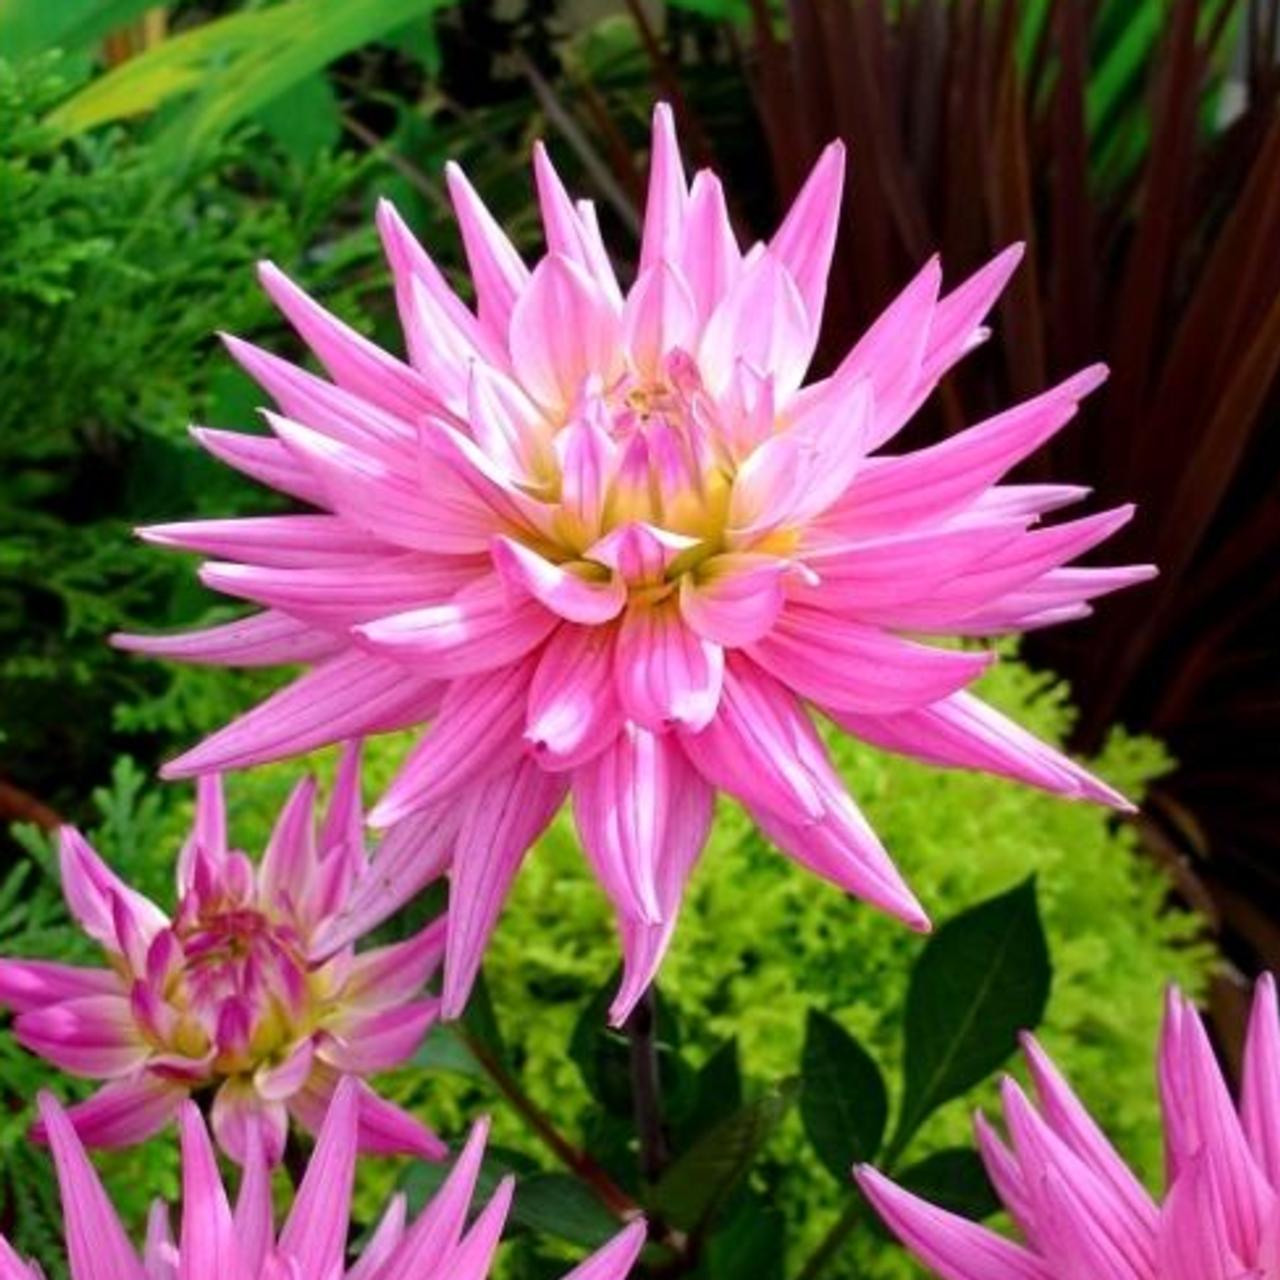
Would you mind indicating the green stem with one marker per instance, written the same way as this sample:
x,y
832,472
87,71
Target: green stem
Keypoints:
x,y
577,1161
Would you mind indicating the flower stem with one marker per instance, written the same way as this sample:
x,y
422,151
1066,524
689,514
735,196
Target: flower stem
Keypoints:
x,y
646,1087
577,1161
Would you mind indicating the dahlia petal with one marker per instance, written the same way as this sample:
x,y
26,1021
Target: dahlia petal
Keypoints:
x,y
831,453
563,331
958,315
480,629
867,578
666,673
1193,1241
497,271
963,732
929,484
660,316
363,1042
1031,500
383,1243
315,1234
588,460
576,592
1073,1124
281,542
337,699
764,490
328,410
476,734
209,1244
709,256
1260,1094
595,255
735,598
262,458
383,1129
843,849
667,196
500,818
506,424
122,1113
640,552
806,239
890,353
1201,1122
761,746
852,667
96,896
280,1082
386,500
690,805
435,1234
388,975
954,1247
761,319
474,1254
1005,1174
261,640
354,363
356,592
621,802
253,1216
412,854
34,984
290,857
573,710
614,1260
97,1247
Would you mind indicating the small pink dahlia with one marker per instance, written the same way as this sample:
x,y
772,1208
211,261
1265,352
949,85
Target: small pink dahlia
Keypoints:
x,y
219,1243
610,546
228,995
1083,1214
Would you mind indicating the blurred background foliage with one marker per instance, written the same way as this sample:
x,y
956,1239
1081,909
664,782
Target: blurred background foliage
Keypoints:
x,y
149,154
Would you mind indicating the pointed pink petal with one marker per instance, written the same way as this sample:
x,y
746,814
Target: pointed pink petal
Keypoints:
x,y
342,698
363,1042
315,1235
501,817
563,331
761,319
263,459
1260,1094
284,542
97,1247
573,710
851,667
660,316
383,1243
954,1247
290,857
92,891
261,640
709,257
388,975
614,1260
497,272
122,1113
734,599
666,673
253,1217
94,1037
244,1122
806,239
33,984
668,195
280,1082
208,1245
577,591
480,629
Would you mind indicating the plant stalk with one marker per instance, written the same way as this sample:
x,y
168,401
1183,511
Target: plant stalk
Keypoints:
x,y
646,1087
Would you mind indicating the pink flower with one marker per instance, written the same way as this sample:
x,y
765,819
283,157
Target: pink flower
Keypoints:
x,y
219,1243
613,549
1084,1215
227,995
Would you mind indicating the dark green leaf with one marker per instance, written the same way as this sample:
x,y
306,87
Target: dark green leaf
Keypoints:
x,y
982,978
481,1023
843,1100
443,1051
700,1181
304,120
562,1206
714,1093
750,1243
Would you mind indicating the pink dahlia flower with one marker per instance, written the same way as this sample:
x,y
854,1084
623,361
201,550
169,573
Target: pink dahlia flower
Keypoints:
x,y
217,1242
226,995
612,548
1084,1216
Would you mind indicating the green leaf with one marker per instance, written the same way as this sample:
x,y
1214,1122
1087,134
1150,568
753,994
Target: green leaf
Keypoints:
x,y
481,1022
443,1051
714,1093
699,1182
843,1100
560,1205
954,1179
750,1243
981,979
304,120
29,27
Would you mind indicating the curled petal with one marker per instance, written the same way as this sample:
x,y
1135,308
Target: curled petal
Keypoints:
x,y
734,599
578,591
667,674
93,1036
573,711
33,984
